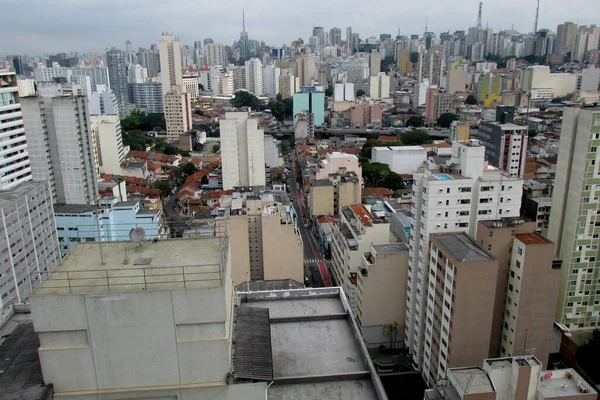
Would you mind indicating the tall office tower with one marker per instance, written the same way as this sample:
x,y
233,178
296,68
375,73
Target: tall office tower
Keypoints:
x,y
136,74
242,151
379,86
190,85
109,153
458,309
150,59
355,42
311,101
573,225
15,166
103,102
335,36
270,79
170,62
214,54
374,62
29,249
254,77
349,34
307,69
129,52
244,50
451,198
505,142
178,112
116,62
565,37
16,62
320,33
61,146
431,65
404,64
148,95
528,281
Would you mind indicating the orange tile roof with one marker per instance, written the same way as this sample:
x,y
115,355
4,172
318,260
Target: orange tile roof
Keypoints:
x,y
531,238
351,150
128,179
324,219
440,145
377,191
185,191
363,215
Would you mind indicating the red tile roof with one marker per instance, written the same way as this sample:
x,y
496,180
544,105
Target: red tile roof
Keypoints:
x,y
129,179
363,215
353,150
377,191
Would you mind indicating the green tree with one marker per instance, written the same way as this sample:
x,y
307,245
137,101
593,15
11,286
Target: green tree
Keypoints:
x,y
136,140
285,147
289,107
414,57
216,148
199,111
416,137
201,87
360,93
243,98
588,356
204,180
277,178
386,62
393,181
279,97
446,119
189,169
165,188
391,331
329,91
277,109
416,121
470,100
374,174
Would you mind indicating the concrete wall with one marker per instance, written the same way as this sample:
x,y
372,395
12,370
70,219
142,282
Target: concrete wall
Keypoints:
x,y
400,159
321,200
348,193
237,230
283,253
134,341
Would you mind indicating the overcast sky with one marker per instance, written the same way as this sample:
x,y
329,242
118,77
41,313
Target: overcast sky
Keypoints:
x,y
49,26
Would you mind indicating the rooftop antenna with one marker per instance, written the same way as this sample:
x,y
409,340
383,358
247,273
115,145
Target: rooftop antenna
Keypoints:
x,y
479,15
137,235
243,20
537,13
425,23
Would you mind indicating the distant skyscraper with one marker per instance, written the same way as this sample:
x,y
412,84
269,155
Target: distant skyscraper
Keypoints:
x,y
17,63
116,61
565,36
170,62
208,41
320,33
242,151
271,80
335,36
254,79
349,34
431,65
150,59
214,54
15,167
244,50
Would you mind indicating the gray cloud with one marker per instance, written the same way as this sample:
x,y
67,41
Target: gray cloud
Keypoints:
x,y
42,26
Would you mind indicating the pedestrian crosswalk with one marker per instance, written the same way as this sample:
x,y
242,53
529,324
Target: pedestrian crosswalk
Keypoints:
x,y
312,261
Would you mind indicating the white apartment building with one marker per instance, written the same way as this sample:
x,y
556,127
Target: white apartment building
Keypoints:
x,y
15,166
214,54
271,75
254,77
379,86
352,237
103,101
400,159
190,85
452,200
61,146
136,74
26,87
537,77
178,113
170,62
242,151
344,92
29,247
109,143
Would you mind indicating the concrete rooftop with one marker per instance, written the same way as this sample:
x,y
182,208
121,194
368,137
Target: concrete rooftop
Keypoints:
x,y
162,265
559,386
345,390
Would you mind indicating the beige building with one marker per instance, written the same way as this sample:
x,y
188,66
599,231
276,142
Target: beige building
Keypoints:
x,y
109,151
288,85
338,163
404,64
511,378
457,80
307,69
263,231
353,236
178,113
458,311
527,287
381,292
171,65
328,196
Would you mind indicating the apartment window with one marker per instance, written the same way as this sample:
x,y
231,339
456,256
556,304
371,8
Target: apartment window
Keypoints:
x,y
518,264
520,251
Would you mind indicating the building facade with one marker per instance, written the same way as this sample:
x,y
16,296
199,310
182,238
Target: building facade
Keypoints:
x,y
505,146
254,76
116,61
109,143
171,66
178,113
148,95
379,86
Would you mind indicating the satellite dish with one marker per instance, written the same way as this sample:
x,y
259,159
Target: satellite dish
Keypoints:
x,y
137,235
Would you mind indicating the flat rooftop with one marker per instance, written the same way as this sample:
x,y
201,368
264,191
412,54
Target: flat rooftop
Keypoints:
x,y
556,384
390,248
462,247
61,208
8,197
161,265
532,238
472,380
317,350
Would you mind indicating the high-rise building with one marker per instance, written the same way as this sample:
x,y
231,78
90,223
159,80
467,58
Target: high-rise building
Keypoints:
x,y
374,62
244,50
344,92
178,112
170,62
320,34
505,144
349,34
458,311
190,84
312,101
214,54
221,82
254,77
328,195
270,79
109,143
404,64
572,219
335,36
451,198
29,249
379,86
242,151
16,62
148,95
62,146
136,74
436,104
307,69
431,65
15,166
150,59
116,61
104,102
565,36
287,85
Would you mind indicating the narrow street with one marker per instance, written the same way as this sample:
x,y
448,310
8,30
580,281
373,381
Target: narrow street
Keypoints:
x,y
314,266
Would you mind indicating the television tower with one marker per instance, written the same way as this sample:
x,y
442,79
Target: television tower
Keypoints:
x,y
537,13
479,15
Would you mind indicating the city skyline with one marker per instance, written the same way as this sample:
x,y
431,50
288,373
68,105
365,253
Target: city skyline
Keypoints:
x,y
41,31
